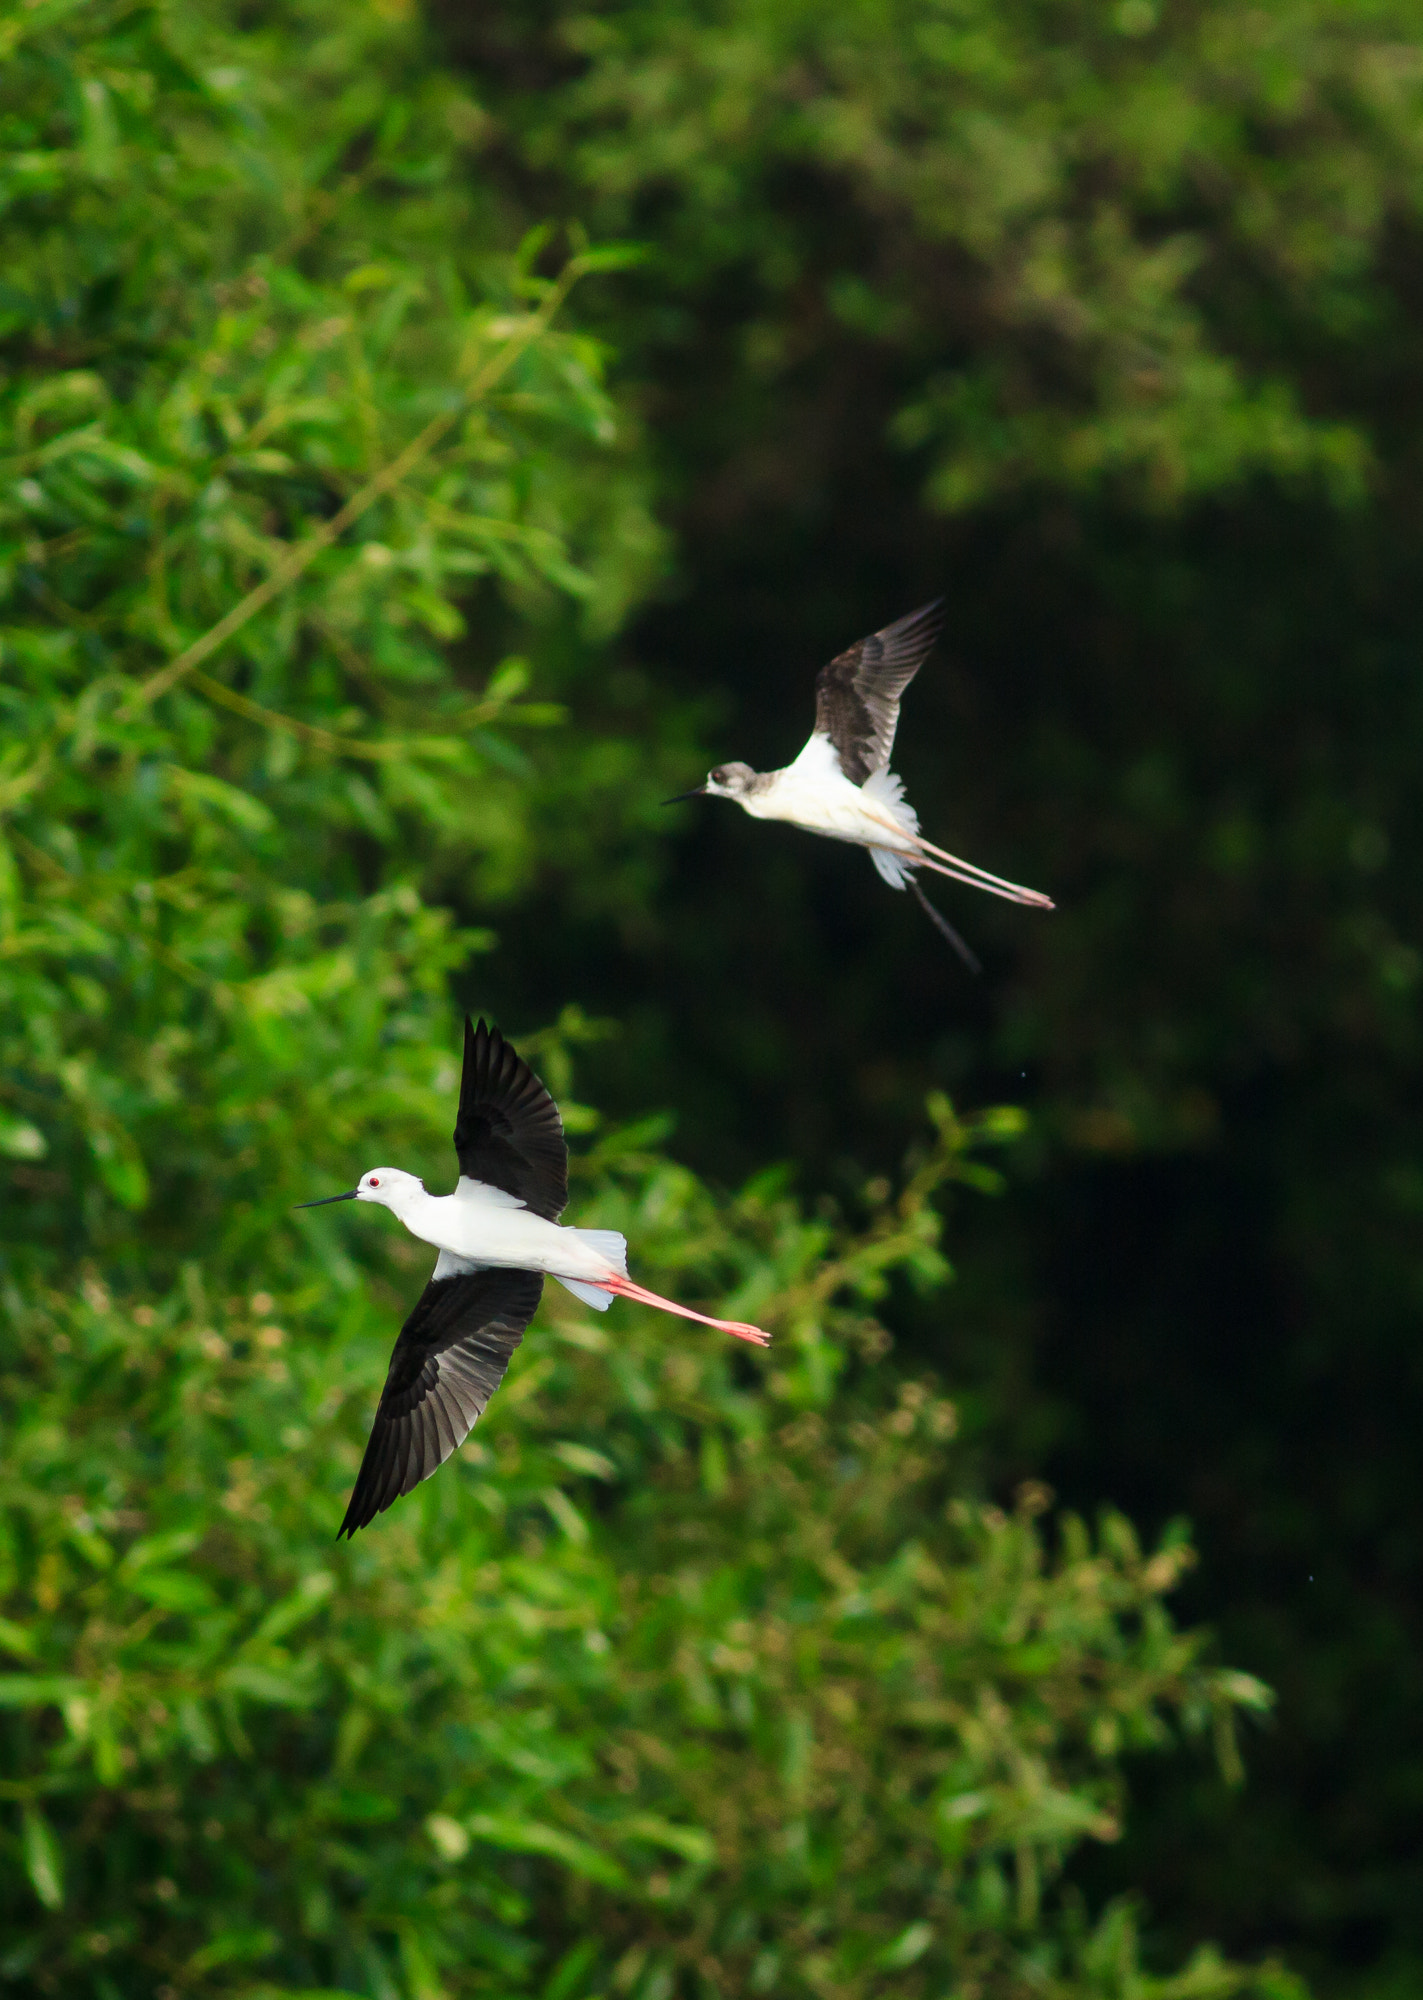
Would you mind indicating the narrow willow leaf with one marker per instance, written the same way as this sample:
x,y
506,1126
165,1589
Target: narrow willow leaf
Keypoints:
x,y
44,1862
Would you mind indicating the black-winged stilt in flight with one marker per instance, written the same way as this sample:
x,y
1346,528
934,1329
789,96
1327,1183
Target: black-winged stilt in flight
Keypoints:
x,y
497,1235
841,783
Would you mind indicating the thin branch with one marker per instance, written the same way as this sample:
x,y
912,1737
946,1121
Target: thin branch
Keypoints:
x,y
327,739
307,732
300,558
42,863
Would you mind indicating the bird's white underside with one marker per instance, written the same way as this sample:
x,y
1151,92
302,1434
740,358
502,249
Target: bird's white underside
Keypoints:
x,y
814,793
479,1227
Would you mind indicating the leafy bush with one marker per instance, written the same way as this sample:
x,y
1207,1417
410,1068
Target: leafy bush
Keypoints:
x,y
688,1674
1093,249
685,1672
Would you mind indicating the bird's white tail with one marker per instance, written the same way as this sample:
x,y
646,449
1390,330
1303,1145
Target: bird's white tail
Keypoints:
x,y
896,869
608,1243
886,788
591,1295
887,791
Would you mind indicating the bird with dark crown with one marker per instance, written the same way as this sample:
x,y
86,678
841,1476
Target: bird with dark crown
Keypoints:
x,y
841,784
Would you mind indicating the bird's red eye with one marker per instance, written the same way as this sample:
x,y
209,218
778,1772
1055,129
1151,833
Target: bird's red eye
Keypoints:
x,y
374,1182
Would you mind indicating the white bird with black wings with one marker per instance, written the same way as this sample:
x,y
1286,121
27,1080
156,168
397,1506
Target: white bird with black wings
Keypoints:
x,y
497,1235
841,784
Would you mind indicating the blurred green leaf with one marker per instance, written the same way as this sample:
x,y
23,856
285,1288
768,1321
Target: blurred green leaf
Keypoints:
x,y
530,1837
44,1863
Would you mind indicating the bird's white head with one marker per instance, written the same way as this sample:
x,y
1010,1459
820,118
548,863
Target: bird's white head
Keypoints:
x,y
391,1187
387,1185
730,781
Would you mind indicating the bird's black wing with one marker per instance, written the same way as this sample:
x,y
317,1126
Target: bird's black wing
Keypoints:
x,y
448,1361
508,1133
857,695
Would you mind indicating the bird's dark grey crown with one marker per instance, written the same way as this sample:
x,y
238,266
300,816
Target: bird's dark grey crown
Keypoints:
x,y
735,779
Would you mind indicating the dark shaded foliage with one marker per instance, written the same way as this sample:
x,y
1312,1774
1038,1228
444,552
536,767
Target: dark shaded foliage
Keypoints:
x,y
1105,323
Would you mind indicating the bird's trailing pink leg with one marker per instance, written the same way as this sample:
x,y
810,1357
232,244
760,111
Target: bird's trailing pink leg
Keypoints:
x,y
624,1288
1009,891
959,871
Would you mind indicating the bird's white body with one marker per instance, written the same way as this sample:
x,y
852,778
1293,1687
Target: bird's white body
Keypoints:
x,y
814,793
497,1240
841,785
481,1227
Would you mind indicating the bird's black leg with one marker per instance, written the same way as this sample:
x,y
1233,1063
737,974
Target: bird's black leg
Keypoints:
x,y
941,923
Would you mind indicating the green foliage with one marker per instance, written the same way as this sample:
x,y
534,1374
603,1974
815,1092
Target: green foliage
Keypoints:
x,y
189,898
1095,240
680,1672
689,1674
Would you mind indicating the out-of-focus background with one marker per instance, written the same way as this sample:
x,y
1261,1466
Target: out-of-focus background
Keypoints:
x,y
431,436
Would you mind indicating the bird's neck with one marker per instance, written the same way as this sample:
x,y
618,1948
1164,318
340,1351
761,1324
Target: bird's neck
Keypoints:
x,y
407,1201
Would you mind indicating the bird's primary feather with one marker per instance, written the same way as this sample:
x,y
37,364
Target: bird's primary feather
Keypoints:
x,y
448,1361
857,695
508,1134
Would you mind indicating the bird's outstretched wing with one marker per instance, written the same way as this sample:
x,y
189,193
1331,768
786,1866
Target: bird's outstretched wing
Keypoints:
x,y
857,695
508,1133
448,1361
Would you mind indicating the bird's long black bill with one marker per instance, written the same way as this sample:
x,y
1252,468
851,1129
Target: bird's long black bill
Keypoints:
x,y
326,1200
695,794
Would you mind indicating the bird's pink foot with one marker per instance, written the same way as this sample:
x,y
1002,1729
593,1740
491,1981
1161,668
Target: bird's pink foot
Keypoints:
x,y
624,1288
